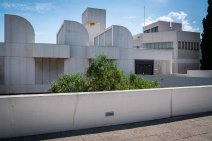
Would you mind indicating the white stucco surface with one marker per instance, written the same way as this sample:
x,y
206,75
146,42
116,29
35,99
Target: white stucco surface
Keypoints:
x,y
45,113
191,100
18,30
200,73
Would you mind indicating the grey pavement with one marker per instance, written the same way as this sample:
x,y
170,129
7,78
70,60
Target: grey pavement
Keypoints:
x,y
196,127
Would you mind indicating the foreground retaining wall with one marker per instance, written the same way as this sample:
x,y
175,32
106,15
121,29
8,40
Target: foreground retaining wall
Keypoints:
x,y
36,114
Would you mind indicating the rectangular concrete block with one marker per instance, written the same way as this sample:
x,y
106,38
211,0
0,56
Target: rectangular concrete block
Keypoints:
x,y
51,51
36,114
126,106
190,100
111,52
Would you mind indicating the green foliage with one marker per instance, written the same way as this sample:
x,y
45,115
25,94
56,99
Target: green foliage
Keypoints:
x,y
69,83
137,82
102,75
105,76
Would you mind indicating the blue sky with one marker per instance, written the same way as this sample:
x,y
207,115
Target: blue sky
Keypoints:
x,y
46,16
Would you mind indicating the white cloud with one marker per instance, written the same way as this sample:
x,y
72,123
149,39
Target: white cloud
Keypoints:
x,y
36,7
174,17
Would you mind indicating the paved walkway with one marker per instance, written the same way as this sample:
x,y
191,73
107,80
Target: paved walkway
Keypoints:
x,y
185,128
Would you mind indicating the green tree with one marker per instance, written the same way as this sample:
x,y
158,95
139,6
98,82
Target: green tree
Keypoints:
x,y
206,44
104,75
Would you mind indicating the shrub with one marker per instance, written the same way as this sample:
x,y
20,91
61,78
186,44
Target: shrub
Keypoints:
x,y
69,83
105,76
136,82
102,75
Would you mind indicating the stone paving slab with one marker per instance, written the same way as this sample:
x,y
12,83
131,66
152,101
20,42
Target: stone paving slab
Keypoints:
x,y
196,127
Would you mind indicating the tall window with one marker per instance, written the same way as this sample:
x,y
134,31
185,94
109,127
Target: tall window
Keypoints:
x,y
197,45
189,45
186,47
192,45
183,45
179,44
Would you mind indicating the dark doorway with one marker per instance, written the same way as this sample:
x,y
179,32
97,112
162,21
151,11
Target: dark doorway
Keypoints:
x,y
144,67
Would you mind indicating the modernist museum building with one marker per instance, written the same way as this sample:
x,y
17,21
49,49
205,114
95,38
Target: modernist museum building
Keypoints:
x,y
28,67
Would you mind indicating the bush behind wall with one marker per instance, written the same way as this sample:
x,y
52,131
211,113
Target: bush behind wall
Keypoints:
x,y
101,75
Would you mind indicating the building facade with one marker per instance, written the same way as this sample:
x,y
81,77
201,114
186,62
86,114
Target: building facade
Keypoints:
x,y
185,46
29,67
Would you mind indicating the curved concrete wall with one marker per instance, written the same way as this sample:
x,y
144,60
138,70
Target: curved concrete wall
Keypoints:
x,y
114,36
122,37
18,30
73,33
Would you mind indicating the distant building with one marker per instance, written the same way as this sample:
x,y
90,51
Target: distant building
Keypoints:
x,y
184,45
28,67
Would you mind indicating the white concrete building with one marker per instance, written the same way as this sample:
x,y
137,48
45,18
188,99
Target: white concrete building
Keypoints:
x,y
169,36
28,67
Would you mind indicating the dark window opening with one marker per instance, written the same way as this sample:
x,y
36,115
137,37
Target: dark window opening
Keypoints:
x,y
92,24
144,67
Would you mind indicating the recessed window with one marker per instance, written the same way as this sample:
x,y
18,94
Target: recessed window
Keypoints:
x,y
179,44
92,24
192,45
189,45
186,47
197,46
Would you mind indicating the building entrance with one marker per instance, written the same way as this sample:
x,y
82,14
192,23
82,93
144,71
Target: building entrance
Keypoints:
x,y
144,67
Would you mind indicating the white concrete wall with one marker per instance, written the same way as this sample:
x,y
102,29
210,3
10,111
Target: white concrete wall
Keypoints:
x,y
127,65
23,88
188,36
187,56
149,54
111,52
164,26
47,70
200,73
115,36
169,26
18,30
19,70
128,106
162,67
105,38
138,40
94,21
34,50
122,37
178,80
73,33
51,51
75,65
36,114
159,37
191,100
18,49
